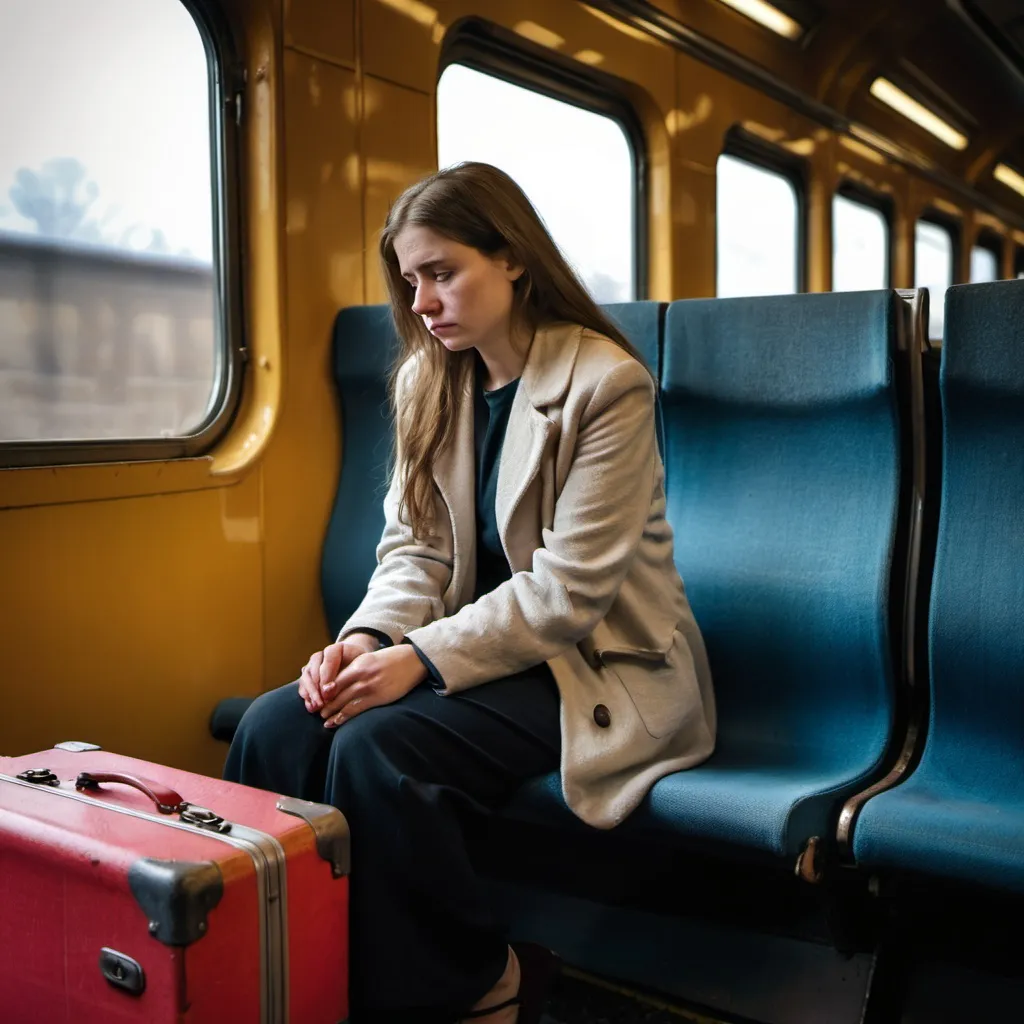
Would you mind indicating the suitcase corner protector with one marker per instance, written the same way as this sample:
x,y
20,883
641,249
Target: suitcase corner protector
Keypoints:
x,y
176,897
330,828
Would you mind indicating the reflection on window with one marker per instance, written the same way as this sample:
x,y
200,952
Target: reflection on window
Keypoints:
x,y
757,230
984,265
576,167
860,246
108,324
933,269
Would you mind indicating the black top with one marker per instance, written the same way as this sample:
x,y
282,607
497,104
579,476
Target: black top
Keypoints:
x,y
490,419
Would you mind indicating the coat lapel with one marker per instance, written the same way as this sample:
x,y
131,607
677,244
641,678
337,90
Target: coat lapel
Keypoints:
x,y
546,377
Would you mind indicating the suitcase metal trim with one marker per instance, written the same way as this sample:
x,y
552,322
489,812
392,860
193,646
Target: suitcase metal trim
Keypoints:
x,y
269,863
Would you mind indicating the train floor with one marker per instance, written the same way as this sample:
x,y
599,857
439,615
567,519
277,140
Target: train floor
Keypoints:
x,y
583,999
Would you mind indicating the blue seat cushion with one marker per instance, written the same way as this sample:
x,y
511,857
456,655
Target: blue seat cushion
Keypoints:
x,y
933,824
755,797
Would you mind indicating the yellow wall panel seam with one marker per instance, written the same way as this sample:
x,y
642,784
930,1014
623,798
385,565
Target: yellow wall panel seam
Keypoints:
x,y
399,85
325,58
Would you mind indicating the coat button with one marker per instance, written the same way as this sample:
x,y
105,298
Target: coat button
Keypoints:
x,y
602,716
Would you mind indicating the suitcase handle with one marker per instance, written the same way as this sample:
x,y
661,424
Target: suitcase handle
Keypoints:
x,y
165,798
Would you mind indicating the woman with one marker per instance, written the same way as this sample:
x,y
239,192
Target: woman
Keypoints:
x,y
525,615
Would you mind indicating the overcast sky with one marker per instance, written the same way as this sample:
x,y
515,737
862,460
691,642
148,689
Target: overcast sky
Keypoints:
x,y
122,86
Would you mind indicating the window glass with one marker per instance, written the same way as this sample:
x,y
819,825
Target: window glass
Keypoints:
x,y
577,168
108,316
860,246
933,269
984,265
757,230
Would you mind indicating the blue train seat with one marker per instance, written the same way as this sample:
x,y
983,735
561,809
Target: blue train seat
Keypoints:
x,y
784,473
960,814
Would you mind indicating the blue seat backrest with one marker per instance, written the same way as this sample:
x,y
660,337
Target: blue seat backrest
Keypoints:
x,y
976,637
364,347
783,461
643,323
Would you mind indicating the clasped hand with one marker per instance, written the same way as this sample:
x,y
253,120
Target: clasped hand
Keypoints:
x,y
346,678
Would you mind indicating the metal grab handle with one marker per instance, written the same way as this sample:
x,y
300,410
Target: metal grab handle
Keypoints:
x,y
165,798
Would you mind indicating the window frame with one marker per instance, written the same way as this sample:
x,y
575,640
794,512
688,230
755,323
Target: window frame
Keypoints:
x,y
857,193
226,78
492,50
991,242
742,145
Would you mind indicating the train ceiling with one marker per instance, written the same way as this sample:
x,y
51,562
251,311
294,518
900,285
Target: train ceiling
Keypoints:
x,y
956,66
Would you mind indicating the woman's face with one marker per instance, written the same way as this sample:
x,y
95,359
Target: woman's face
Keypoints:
x,y
463,297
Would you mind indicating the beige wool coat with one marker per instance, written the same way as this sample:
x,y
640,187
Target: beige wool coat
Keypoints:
x,y
594,593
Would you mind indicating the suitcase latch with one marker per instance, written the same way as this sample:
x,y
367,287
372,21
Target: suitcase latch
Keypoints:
x,y
122,971
39,776
201,817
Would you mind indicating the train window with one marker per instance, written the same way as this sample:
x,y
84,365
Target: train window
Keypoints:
x,y
860,245
110,310
984,263
933,269
757,230
578,169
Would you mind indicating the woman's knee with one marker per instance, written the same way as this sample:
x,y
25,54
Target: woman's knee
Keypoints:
x,y
277,711
280,746
368,733
277,722
378,746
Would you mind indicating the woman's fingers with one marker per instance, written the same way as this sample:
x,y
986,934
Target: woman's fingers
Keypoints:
x,y
309,677
376,678
351,702
308,690
350,710
340,693
330,663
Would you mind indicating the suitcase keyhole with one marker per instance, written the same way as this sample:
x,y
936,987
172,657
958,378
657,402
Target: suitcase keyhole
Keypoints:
x,y
122,971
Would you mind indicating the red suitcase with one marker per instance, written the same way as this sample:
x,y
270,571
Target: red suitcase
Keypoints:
x,y
123,899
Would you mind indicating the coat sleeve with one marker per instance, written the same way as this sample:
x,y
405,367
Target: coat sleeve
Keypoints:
x,y
406,590
575,576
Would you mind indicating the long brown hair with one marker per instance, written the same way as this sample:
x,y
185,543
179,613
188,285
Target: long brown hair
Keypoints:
x,y
479,206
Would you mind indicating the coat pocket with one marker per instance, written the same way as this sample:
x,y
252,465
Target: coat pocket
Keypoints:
x,y
662,686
